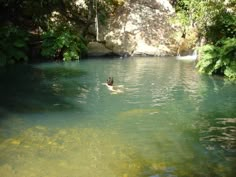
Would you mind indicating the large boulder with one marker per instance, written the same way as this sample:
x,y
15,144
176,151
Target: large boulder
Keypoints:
x,y
141,27
96,49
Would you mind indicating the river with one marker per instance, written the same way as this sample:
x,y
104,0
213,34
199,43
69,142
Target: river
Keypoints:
x,y
163,119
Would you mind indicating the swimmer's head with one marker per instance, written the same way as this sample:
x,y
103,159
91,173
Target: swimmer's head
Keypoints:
x,y
110,81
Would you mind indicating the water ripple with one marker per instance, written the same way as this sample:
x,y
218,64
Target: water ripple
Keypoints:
x,y
221,135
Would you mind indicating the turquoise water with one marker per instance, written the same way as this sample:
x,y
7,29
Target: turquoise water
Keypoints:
x,y
163,120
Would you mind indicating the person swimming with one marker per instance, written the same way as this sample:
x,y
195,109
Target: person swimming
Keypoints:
x,y
110,81
114,89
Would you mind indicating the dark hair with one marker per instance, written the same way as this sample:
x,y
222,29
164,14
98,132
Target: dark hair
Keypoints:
x,y
110,81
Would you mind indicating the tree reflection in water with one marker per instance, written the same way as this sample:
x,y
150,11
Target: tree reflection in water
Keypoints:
x,y
220,135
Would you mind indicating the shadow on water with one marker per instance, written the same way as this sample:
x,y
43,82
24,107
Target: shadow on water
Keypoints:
x,y
28,88
216,124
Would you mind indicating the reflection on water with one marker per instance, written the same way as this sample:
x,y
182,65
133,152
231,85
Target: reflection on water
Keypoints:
x,y
59,119
221,135
40,89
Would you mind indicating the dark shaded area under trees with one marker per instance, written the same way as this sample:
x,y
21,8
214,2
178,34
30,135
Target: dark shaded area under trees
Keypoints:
x,y
29,92
49,29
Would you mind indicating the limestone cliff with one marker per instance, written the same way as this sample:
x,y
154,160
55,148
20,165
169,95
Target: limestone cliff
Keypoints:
x,y
140,27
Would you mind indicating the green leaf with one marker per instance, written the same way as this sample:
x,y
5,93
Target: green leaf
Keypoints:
x,y
19,43
3,59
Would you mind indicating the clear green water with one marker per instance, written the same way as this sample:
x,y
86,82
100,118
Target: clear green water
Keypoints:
x,y
59,120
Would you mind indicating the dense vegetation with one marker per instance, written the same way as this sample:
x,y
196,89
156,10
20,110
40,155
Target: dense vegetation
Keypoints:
x,y
216,24
60,29
54,29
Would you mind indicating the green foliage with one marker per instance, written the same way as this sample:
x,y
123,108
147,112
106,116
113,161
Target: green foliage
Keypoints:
x,y
223,26
62,42
190,10
197,13
61,24
13,45
219,58
216,21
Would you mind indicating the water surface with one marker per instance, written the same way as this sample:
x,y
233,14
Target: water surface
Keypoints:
x,y
59,119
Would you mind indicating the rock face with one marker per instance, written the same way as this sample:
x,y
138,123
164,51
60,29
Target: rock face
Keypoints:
x,y
96,49
141,27
187,44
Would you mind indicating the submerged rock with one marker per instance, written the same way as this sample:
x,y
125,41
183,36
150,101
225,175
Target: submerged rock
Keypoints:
x,y
135,113
86,152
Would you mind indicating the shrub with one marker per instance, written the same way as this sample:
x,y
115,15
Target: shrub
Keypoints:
x,y
62,43
224,26
13,45
219,58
